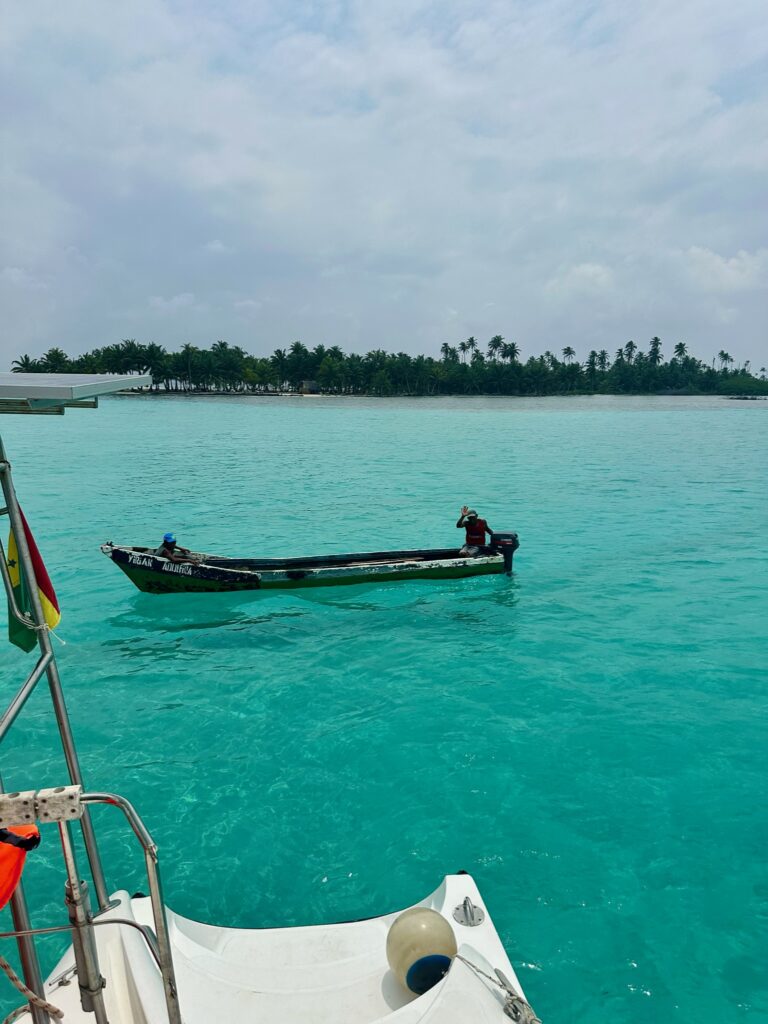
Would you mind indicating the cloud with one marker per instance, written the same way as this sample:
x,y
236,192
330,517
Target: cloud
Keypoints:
x,y
21,279
742,272
248,307
359,169
218,247
587,279
185,300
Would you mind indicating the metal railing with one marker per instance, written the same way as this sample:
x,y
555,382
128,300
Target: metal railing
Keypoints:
x,y
61,806
50,668
77,900
155,894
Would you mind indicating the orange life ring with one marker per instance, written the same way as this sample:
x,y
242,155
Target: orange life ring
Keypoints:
x,y
14,844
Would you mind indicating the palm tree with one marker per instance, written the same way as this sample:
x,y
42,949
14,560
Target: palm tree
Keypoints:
x,y
188,352
355,372
591,367
132,359
510,351
298,364
157,363
383,372
495,346
111,359
279,361
25,364
90,362
328,376
228,365
381,383
55,360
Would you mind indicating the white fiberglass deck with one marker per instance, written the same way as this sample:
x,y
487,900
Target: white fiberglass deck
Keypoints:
x,y
326,974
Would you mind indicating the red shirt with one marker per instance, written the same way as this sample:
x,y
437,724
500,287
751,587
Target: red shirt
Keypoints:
x,y
476,532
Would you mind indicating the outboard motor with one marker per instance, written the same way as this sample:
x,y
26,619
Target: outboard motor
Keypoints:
x,y
505,544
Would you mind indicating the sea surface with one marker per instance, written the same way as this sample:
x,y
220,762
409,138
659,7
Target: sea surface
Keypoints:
x,y
587,738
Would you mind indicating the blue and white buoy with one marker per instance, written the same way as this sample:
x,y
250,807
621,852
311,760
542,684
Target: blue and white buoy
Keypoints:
x,y
420,948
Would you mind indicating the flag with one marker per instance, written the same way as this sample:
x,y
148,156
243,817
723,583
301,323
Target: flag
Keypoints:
x,y
18,633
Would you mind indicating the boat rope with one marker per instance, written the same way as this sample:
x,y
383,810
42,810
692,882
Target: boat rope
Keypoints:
x,y
15,1014
41,627
515,1006
33,997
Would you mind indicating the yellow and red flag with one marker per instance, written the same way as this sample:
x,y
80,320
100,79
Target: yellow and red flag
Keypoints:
x,y
18,633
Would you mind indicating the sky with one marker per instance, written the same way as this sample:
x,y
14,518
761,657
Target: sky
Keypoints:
x,y
385,174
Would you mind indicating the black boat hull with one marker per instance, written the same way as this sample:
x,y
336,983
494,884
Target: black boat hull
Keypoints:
x,y
211,574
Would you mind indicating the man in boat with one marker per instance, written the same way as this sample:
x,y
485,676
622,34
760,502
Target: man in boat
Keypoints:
x,y
476,530
170,550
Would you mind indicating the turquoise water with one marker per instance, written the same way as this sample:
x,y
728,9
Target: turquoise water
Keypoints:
x,y
587,739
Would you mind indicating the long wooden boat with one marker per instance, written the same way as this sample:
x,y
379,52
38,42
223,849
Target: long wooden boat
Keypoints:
x,y
156,575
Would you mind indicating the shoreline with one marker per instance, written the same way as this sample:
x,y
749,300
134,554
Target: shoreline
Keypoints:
x,y
132,393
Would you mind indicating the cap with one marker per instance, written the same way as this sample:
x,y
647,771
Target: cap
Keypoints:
x,y
170,537
471,513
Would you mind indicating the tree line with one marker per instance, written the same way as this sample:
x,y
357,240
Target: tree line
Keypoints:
x,y
469,368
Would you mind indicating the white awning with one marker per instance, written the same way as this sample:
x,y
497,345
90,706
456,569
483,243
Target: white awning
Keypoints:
x,y
67,387
51,393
